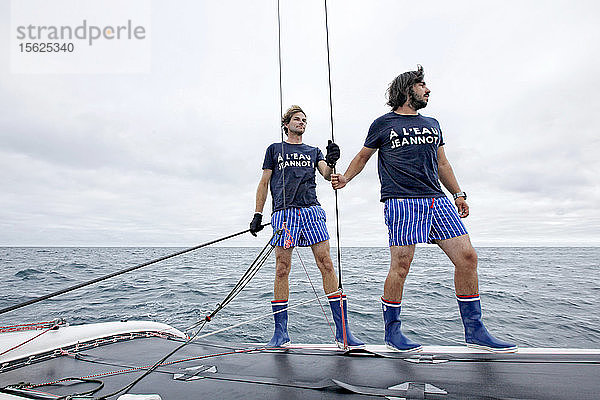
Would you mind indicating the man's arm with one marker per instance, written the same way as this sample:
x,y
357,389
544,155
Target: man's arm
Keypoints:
x,y
324,169
261,196
357,164
262,190
450,182
327,165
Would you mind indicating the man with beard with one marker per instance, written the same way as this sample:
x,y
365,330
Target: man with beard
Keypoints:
x,y
298,220
411,164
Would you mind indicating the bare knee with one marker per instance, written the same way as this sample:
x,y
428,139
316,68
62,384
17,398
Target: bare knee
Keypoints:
x,y
398,273
324,263
400,266
468,260
282,268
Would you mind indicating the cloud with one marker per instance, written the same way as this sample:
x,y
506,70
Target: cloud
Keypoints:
x,y
174,156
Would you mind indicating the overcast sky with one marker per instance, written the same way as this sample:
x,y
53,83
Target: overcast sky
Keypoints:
x,y
173,157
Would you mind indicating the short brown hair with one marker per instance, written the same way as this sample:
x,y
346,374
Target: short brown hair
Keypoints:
x,y
287,117
397,92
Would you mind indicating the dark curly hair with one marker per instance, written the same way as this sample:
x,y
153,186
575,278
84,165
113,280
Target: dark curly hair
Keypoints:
x,y
287,117
397,92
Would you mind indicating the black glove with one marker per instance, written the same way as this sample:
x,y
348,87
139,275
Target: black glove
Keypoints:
x,y
256,224
333,154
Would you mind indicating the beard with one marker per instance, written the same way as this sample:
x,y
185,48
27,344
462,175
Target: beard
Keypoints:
x,y
415,102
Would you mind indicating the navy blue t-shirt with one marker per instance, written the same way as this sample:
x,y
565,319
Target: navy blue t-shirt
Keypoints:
x,y
407,157
299,162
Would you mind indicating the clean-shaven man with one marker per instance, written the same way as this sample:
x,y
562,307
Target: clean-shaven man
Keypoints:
x,y
289,168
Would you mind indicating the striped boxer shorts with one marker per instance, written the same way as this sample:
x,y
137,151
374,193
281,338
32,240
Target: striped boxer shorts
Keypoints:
x,y
303,227
412,221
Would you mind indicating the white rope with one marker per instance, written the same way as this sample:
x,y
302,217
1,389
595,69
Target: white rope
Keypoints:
x,y
316,294
260,317
319,317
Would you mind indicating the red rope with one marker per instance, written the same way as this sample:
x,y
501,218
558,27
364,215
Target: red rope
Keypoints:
x,y
343,321
29,340
289,241
25,327
133,369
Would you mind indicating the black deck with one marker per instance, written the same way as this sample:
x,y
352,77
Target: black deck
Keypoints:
x,y
309,374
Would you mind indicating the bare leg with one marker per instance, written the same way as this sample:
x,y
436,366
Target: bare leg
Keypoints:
x,y
283,265
463,256
401,257
343,336
323,259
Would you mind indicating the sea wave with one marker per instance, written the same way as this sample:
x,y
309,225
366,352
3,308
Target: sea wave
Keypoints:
x,y
553,302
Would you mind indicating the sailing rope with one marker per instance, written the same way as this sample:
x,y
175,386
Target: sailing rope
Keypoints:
x,y
337,213
241,284
248,275
337,223
254,267
289,241
129,369
283,171
281,105
317,295
55,324
258,262
81,285
30,327
263,316
162,362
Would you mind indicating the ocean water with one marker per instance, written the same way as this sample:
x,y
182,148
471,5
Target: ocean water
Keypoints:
x,y
544,297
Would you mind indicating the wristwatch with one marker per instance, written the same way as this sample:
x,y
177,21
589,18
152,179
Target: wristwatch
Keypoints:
x,y
459,194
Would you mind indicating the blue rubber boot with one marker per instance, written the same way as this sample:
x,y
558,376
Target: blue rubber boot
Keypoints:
x,y
476,335
394,338
280,337
342,324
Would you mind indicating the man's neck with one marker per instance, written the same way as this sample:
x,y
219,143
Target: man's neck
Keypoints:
x,y
294,139
406,110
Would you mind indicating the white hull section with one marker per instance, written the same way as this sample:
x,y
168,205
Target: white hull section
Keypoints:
x,y
66,336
